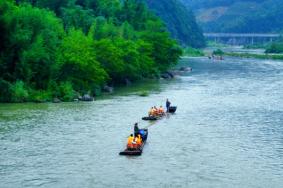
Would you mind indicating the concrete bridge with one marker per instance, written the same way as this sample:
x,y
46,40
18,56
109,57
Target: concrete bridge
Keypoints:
x,y
242,38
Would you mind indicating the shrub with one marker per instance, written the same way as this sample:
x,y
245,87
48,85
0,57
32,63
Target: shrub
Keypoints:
x,y
276,47
67,92
189,51
143,94
40,96
218,52
5,92
19,92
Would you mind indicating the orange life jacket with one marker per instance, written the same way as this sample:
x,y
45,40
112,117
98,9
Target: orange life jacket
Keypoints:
x,y
130,140
139,140
155,111
151,112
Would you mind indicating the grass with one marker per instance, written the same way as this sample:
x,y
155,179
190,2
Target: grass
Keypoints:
x,y
257,56
216,44
143,94
192,52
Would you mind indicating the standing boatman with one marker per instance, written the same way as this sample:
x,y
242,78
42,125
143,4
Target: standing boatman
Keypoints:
x,y
136,130
168,103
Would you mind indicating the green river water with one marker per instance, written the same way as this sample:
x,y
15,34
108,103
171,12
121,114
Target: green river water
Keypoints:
x,y
227,132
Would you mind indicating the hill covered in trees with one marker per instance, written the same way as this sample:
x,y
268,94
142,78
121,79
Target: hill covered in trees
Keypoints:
x,y
257,16
180,21
66,48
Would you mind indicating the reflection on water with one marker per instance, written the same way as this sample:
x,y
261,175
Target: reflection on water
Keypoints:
x,y
227,132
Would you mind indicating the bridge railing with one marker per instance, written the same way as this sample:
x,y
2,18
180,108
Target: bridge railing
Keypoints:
x,y
265,35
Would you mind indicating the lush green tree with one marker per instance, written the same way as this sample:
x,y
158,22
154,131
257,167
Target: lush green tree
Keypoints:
x,y
132,68
108,9
77,17
76,62
127,31
103,28
165,50
275,47
34,35
218,52
148,68
19,92
61,48
54,5
110,57
5,94
135,12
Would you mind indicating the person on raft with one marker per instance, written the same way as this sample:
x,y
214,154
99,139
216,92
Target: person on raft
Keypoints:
x,y
138,140
151,112
161,111
130,141
136,129
134,142
154,111
168,103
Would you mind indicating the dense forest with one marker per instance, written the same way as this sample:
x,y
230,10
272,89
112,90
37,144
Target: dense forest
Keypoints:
x,y
62,49
245,16
180,21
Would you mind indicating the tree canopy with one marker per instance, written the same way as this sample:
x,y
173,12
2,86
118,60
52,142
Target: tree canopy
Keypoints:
x,y
52,48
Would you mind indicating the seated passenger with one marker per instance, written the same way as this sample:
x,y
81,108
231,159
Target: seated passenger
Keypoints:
x,y
151,113
155,111
130,141
139,140
161,110
134,143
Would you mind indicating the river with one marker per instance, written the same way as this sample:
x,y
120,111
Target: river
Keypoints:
x,y
227,132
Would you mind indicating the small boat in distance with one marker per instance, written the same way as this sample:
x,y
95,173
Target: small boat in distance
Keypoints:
x,y
136,151
172,109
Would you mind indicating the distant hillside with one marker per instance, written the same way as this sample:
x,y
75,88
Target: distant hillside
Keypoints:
x,y
180,21
238,15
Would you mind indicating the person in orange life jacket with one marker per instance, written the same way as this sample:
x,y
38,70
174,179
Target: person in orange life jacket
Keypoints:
x,y
134,143
138,140
155,111
161,110
130,141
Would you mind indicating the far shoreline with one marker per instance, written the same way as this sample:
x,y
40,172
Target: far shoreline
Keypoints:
x,y
256,56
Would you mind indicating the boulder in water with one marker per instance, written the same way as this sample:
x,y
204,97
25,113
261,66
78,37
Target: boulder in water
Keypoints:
x,y
185,69
167,75
86,97
108,89
56,100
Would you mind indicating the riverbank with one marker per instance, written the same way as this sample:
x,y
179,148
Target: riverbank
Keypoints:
x,y
142,88
257,56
